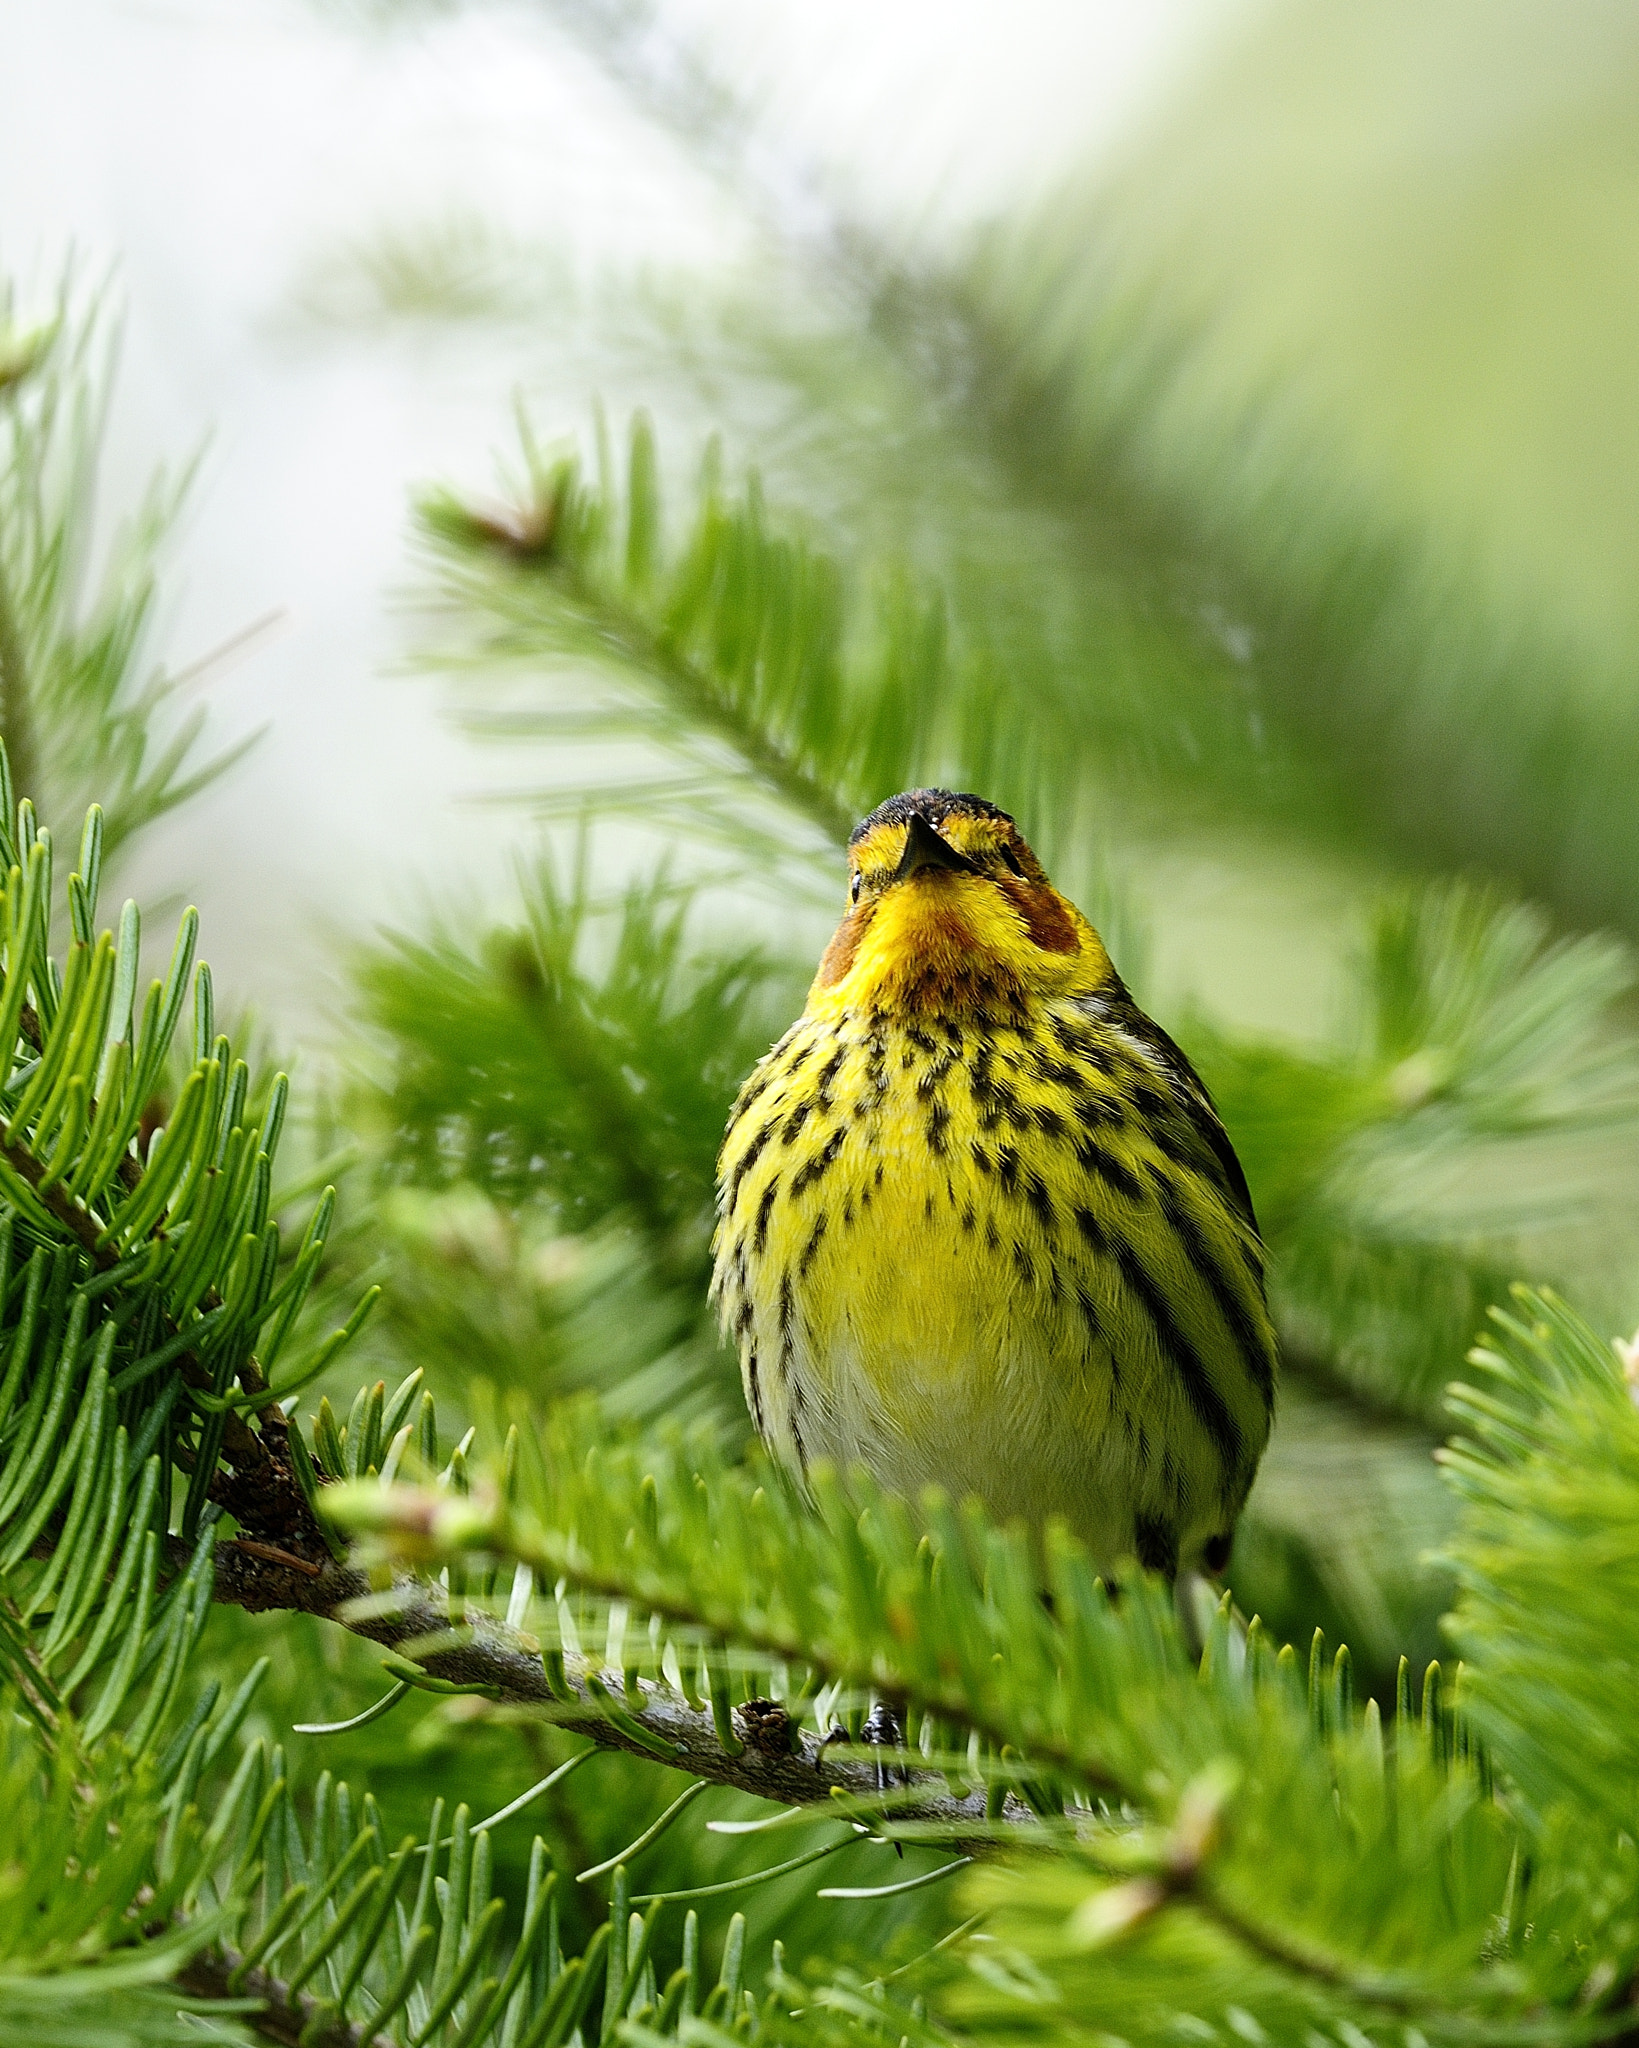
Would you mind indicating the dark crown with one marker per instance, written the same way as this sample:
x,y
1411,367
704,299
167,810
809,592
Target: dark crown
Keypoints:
x,y
935,805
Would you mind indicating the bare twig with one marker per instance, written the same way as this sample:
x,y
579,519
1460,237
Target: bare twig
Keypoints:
x,y
494,1658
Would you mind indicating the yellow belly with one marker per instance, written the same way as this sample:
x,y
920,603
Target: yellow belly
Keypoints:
x,y
910,1288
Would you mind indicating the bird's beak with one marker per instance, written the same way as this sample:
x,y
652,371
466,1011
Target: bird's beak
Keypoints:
x,y
925,849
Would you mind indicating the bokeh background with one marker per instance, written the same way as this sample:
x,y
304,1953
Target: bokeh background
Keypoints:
x,y
1235,401
341,238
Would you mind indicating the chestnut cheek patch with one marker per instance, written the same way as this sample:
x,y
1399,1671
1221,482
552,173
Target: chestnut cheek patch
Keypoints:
x,y
838,957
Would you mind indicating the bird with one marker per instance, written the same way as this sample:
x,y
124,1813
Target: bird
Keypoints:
x,y
980,1227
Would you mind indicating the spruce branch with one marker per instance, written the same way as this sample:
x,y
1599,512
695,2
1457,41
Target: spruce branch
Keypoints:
x,y
1403,1173
83,711
142,1288
653,1721
16,702
251,1454
648,1718
610,614
292,2019
765,720
1096,1697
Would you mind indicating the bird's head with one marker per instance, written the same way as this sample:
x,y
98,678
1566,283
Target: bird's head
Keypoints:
x,y
949,911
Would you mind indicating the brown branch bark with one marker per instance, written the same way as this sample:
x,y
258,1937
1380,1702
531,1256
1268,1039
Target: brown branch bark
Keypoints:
x,y
494,1657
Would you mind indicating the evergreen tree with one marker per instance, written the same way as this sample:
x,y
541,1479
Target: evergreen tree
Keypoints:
x,y
578,1645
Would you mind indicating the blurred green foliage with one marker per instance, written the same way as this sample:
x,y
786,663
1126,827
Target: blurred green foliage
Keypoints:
x,y
1351,322
87,712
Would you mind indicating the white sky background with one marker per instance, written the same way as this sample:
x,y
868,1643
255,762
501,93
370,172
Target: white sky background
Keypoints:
x,y
221,154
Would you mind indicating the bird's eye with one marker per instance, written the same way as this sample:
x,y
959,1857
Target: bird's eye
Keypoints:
x,y
1012,860
853,888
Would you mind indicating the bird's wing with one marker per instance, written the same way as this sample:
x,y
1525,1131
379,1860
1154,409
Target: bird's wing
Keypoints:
x,y
1196,1124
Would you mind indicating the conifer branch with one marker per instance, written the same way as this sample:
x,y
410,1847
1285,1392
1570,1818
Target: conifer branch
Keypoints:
x,y
630,637
493,1660
751,680
16,716
79,1223
292,2019
245,1448
83,713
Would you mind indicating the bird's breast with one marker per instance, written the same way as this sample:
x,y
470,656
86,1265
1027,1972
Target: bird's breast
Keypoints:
x,y
882,1265
923,1274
